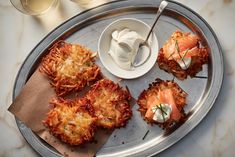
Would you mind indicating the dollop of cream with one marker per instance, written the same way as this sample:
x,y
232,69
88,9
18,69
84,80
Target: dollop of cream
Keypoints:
x,y
184,63
124,46
158,113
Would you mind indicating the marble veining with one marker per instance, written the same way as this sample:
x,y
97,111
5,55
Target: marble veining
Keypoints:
x,y
19,33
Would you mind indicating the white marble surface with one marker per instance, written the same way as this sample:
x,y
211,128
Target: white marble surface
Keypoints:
x,y
213,137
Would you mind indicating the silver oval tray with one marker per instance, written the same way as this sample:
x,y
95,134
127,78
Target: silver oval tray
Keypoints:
x,y
86,28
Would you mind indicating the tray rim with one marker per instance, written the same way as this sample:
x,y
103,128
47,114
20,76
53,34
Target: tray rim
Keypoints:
x,y
54,31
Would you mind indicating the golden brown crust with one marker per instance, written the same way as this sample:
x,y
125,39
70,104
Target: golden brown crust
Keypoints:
x,y
72,121
178,94
70,67
111,104
170,65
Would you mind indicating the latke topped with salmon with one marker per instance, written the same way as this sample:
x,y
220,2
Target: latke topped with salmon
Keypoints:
x,y
162,103
70,67
182,55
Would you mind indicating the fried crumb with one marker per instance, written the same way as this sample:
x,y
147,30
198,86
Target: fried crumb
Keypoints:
x,y
66,155
119,80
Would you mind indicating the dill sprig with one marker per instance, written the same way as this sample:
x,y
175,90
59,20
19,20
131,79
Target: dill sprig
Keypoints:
x,y
162,111
145,135
178,51
171,55
185,53
201,77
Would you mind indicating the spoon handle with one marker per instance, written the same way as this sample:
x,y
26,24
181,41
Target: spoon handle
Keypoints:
x,y
162,6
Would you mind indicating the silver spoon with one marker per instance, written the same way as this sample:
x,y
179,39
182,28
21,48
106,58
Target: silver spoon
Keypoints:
x,y
137,63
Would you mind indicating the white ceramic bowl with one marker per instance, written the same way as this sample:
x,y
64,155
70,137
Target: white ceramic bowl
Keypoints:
x,y
104,45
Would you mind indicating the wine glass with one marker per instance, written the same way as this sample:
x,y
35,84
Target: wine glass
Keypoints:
x,y
34,7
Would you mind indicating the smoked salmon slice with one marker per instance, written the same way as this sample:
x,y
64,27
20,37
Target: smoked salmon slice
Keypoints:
x,y
179,43
187,41
166,96
151,102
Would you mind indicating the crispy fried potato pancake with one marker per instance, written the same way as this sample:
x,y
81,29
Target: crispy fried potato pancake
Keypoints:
x,y
111,104
70,67
188,45
72,121
179,97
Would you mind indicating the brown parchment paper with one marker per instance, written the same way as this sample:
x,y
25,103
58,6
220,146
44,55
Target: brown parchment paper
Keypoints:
x,y
31,107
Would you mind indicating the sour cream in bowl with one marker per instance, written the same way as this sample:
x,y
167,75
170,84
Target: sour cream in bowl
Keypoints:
x,y
118,46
